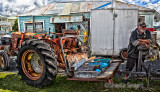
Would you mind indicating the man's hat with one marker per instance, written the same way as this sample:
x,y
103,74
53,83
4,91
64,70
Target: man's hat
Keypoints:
x,y
142,24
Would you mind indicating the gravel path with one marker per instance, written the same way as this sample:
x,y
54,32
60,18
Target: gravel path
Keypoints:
x,y
155,65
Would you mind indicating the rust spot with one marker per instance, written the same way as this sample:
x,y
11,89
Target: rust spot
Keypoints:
x,y
46,9
69,18
29,21
88,6
77,57
52,20
129,6
1,47
52,7
60,17
119,5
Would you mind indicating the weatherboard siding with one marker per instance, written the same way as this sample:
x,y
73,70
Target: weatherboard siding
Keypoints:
x,y
46,19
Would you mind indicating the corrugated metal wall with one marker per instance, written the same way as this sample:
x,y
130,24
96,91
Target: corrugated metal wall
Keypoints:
x,y
109,36
125,22
101,32
46,19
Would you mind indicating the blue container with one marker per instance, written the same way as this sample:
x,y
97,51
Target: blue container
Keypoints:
x,y
102,62
103,65
98,70
105,60
93,63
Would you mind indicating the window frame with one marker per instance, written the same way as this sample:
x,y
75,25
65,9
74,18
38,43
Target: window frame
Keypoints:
x,y
25,30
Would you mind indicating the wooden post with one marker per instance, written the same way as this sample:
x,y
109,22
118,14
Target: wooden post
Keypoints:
x,y
139,61
149,75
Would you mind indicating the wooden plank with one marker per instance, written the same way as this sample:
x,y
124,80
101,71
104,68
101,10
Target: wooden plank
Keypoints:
x,y
109,72
117,60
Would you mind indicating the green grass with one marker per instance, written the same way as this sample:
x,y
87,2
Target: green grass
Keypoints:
x,y
10,82
2,75
13,82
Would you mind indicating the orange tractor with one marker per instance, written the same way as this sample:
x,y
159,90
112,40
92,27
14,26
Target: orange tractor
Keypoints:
x,y
39,56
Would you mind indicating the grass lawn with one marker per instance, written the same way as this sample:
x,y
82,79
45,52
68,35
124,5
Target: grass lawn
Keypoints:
x,y
11,82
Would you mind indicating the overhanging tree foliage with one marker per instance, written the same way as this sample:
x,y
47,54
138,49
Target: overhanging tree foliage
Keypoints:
x,y
15,26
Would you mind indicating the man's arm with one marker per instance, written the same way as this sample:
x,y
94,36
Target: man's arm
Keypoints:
x,y
135,42
146,41
141,42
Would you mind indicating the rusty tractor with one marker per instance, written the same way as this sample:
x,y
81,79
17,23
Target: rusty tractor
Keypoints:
x,y
39,56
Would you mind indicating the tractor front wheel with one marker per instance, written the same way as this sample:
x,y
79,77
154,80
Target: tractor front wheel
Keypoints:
x,y
4,61
37,63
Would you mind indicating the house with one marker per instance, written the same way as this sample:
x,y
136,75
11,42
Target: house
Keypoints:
x,y
5,26
70,15
149,16
58,16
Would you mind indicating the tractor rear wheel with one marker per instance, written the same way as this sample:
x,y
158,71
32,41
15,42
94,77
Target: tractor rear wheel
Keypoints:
x,y
4,61
37,63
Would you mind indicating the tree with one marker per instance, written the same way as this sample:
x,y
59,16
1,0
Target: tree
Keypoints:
x,y
15,26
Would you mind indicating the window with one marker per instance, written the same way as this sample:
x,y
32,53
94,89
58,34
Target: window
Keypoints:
x,y
38,27
141,19
59,27
29,27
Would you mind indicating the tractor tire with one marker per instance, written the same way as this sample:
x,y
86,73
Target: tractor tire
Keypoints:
x,y
37,63
123,54
4,61
3,42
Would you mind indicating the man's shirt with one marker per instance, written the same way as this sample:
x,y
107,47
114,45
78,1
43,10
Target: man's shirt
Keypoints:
x,y
134,40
